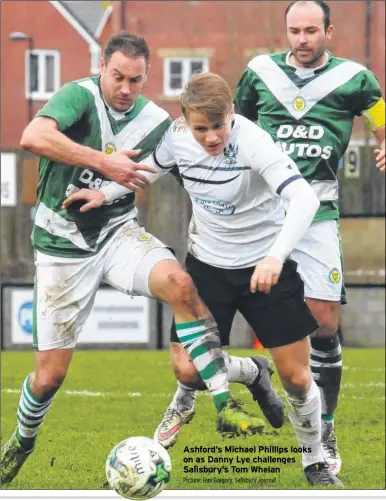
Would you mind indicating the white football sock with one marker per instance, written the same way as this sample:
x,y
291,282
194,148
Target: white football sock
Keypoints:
x,y
304,412
240,369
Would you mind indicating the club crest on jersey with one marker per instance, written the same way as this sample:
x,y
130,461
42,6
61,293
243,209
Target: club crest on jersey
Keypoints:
x,y
299,103
230,154
334,276
110,148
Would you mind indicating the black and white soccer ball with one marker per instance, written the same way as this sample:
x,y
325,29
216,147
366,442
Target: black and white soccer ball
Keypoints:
x,y
138,468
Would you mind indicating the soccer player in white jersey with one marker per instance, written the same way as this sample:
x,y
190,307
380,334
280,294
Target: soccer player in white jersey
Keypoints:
x,y
77,134
306,99
239,241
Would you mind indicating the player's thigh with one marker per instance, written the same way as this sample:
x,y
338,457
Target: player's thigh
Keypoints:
x,y
326,313
64,293
281,317
217,294
132,254
319,260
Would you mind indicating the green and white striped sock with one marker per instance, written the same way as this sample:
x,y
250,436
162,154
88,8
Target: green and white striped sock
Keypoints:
x,y
202,342
30,415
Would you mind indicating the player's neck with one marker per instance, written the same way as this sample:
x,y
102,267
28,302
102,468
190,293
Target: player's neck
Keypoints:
x,y
319,63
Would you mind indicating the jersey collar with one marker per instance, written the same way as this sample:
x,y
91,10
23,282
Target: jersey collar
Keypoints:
x,y
116,114
304,73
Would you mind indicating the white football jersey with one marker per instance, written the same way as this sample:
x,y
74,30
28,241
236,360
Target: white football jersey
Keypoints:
x,y
237,213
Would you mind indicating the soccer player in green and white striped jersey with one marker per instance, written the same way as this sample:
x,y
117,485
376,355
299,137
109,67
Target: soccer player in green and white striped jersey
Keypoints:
x,y
82,135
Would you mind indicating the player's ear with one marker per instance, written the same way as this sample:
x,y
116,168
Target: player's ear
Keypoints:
x,y
329,31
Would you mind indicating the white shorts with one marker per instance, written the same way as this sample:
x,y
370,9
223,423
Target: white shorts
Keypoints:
x,y
318,255
65,288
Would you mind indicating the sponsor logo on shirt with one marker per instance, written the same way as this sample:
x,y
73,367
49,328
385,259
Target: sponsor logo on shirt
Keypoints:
x,y
308,149
216,206
184,162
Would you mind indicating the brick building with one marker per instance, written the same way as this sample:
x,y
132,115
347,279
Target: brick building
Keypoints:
x,y
183,35
223,36
65,46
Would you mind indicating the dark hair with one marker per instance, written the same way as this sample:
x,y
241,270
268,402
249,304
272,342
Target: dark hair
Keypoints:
x,y
128,44
322,4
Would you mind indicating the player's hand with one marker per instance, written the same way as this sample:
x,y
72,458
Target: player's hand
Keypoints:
x,y
266,274
120,168
94,199
380,159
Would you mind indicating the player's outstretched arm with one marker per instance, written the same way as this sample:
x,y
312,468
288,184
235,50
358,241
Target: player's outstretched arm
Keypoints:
x,y
42,137
301,205
110,192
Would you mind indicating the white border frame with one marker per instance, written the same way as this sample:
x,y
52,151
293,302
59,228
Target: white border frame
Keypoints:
x,y
202,495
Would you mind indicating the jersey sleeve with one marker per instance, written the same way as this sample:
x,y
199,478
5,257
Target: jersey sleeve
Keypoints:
x,y
163,156
263,156
368,92
246,96
161,159
67,105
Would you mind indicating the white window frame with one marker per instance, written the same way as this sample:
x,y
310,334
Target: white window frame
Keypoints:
x,y
186,63
41,93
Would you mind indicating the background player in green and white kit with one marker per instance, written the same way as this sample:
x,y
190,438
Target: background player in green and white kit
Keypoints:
x,y
307,100
81,135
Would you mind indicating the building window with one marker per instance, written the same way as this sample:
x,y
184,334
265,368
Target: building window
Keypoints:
x,y
42,73
177,71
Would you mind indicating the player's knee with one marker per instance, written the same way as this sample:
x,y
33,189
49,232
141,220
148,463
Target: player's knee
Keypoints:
x,y
187,374
328,327
297,382
327,316
49,381
179,286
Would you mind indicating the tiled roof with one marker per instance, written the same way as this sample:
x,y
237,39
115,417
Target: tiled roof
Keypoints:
x,y
89,14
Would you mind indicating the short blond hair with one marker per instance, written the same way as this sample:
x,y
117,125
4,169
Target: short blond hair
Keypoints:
x,y
209,94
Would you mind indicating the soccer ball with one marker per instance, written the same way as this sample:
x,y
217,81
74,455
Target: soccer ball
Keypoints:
x,y
138,468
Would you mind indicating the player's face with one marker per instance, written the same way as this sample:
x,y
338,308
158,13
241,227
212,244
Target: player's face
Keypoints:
x,y
122,79
212,136
306,34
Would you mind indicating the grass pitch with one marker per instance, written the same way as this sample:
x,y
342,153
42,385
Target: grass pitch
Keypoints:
x,y
109,396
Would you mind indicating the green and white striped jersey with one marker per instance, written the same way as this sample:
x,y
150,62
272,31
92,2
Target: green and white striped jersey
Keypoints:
x,y
82,115
309,112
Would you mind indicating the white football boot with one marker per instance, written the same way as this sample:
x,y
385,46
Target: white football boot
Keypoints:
x,y
169,428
